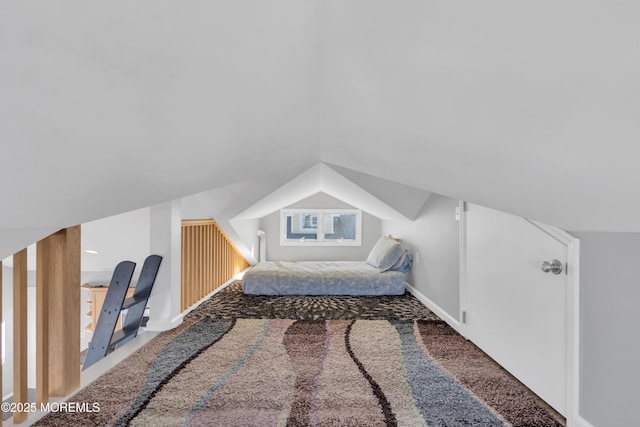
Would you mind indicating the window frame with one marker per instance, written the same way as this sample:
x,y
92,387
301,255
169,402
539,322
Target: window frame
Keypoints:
x,y
320,241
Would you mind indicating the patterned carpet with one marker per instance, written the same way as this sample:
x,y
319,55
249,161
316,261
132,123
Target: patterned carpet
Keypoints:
x,y
231,303
219,369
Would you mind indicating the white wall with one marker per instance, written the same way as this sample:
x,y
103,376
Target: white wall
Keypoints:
x,y
371,232
117,238
433,240
247,237
609,332
7,317
224,203
166,241
93,277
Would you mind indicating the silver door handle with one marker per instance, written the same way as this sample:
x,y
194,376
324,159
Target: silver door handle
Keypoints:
x,y
554,266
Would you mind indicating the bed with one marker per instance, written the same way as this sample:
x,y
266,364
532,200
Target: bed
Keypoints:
x,y
384,273
321,278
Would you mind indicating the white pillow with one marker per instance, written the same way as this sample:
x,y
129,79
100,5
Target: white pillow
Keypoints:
x,y
385,253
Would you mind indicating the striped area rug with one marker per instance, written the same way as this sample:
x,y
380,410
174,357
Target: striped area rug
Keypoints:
x,y
287,372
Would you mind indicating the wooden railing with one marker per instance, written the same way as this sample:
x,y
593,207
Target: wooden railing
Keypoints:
x,y
209,259
57,319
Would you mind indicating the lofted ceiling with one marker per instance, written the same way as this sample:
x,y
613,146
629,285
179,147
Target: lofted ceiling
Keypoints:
x,y
321,178
531,108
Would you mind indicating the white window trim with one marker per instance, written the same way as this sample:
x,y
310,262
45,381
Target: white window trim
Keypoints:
x,y
320,242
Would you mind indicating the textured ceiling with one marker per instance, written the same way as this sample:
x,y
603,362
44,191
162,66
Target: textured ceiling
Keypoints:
x,y
531,108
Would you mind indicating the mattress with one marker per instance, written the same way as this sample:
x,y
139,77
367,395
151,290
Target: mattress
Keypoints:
x,y
321,278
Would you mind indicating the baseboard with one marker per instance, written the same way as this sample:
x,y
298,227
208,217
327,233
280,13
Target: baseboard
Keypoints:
x,y
581,422
163,326
435,308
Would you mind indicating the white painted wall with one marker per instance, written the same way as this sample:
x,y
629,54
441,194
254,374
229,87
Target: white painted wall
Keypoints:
x,y
117,238
94,277
433,240
166,241
120,237
405,199
247,236
7,317
224,203
371,232
609,332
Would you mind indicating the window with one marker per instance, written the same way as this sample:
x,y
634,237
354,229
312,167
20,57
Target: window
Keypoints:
x,y
320,227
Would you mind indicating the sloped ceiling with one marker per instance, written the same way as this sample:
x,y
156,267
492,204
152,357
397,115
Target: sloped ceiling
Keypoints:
x,y
238,207
526,107
320,178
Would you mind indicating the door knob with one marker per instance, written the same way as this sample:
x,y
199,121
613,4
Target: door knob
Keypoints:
x,y
554,266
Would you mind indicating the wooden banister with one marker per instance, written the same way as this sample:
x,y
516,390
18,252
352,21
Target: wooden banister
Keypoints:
x,y
209,259
20,395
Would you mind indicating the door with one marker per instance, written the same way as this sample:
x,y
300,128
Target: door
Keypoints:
x,y
514,311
